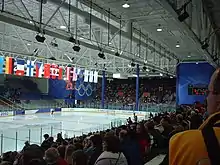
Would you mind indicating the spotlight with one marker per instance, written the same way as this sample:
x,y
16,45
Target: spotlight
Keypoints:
x,y
52,58
215,59
132,64
159,29
40,38
62,27
126,5
101,55
117,54
205,45
71,39
183,17
76,48
177,45
161,74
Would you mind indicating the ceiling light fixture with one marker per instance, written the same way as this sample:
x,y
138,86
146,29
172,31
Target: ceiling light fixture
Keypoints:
x,y
126,5
62,27
159,29
161,74
188,56
177,45
40,38
28,44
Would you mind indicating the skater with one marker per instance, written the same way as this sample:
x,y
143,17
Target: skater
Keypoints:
x,y
52,111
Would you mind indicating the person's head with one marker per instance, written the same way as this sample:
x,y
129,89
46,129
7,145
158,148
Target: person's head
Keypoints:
x,y
50,139
46,136
27,143
31,152
51,156
62,150
96,140
149,125
111,144
140,128
213,98
164,122
79,158
179,118
123,134
59,136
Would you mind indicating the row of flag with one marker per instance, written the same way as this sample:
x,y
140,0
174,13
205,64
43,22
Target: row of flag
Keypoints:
x,y
20,67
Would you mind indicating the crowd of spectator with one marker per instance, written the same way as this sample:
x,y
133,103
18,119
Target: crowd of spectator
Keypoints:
x,y
125,94
133,144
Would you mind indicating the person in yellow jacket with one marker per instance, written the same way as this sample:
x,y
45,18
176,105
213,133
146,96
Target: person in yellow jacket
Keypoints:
x,y
200,147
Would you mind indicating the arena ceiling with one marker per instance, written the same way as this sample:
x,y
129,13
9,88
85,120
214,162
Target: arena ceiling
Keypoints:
x,y
105,26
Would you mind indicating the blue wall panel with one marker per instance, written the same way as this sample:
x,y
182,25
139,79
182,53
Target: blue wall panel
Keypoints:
x,y
191,74
57,89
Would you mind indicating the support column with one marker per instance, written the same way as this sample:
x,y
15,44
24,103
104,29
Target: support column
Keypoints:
x,y
137,88
103,90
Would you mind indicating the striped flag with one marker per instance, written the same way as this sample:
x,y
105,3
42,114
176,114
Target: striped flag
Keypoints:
x,y
91,76
71,74
95,77
20,67
30,68
39,69
9,65
2,62
86,76
46,70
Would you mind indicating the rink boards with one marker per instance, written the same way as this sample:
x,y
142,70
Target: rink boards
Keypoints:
x,y
90,110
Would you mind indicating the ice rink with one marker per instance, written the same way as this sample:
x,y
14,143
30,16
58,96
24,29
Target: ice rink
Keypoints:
x,y
15,130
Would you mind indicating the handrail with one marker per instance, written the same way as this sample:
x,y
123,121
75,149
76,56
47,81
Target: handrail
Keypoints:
x,y
12,103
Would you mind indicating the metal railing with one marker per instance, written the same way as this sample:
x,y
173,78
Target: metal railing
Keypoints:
x,y
142,107
13,137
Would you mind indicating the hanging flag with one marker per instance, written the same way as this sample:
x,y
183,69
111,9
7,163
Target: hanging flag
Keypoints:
x,y
9,65
39,69
54,71
46,70
60,77
30,68
2,62
20,67
91,76
86,76
71,74
95,77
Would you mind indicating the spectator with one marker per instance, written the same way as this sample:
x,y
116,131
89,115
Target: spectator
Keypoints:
x,y
68,155
62,150
47,143
200,146
130,148
52,156
111,154
95,150
79,158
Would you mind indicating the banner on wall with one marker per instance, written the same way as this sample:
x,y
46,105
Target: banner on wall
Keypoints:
x,y
21,67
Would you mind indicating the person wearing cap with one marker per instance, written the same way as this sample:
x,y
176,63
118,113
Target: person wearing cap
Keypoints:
x,y
198,147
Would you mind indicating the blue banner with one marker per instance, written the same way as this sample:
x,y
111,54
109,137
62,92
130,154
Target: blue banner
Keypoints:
x,y
190,74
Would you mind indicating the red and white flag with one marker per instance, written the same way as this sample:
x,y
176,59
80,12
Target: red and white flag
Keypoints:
x,y
56,72
46,70
71,74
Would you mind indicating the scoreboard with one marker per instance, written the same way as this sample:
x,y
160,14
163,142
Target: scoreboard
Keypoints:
x,y
197,89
